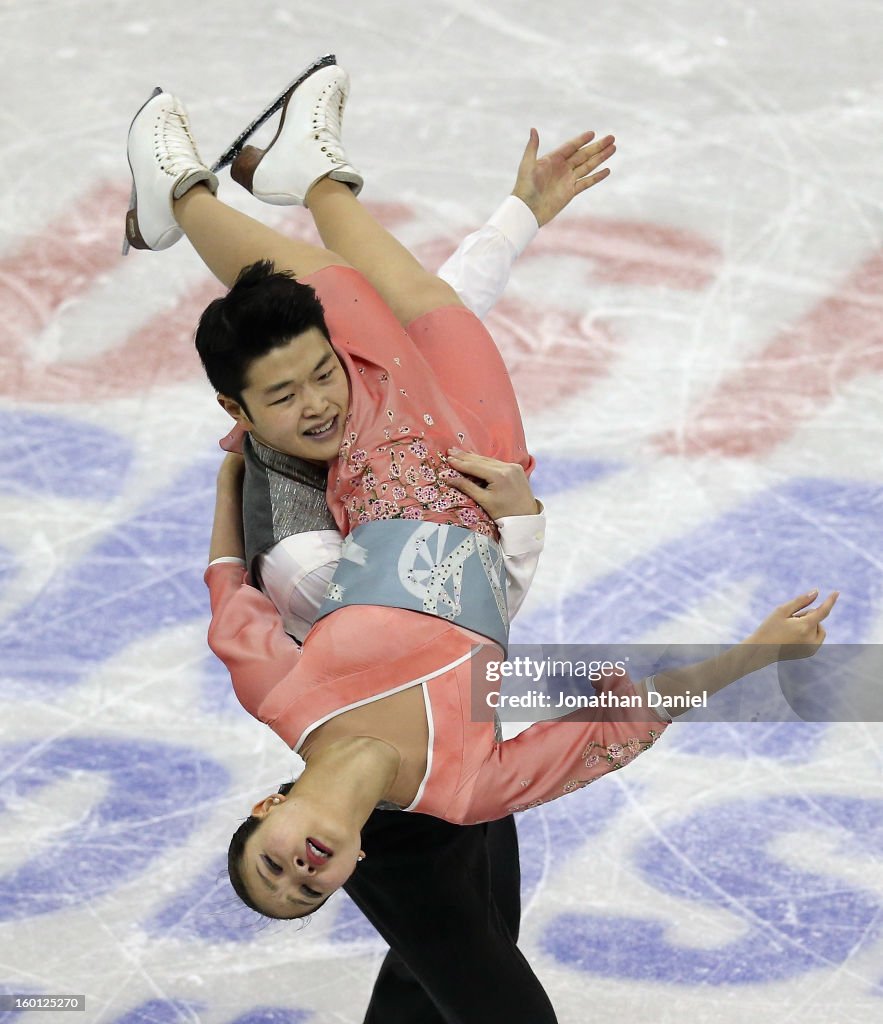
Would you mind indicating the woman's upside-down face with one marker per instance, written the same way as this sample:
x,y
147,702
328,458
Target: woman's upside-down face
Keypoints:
x,y
296,857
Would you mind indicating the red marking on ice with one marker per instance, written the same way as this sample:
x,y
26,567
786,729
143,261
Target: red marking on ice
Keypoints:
x,y
159,352
549,353
764,402
60,262
632,252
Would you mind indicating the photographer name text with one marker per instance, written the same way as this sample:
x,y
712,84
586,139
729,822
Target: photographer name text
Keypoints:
x,y
604,699
605,672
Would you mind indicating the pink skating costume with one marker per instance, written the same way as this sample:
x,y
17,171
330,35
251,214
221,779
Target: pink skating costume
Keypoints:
x,y
414,394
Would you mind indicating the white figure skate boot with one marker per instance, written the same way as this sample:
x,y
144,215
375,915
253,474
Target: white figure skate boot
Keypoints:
x,y
307,145
165,164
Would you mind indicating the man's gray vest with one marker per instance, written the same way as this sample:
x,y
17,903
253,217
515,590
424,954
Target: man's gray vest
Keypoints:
x,y
282,495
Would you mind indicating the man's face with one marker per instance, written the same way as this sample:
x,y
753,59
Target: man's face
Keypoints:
x,y
297,397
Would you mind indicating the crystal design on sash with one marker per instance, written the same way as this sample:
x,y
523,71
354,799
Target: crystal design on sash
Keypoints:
x,y
428,574
491,556
437,579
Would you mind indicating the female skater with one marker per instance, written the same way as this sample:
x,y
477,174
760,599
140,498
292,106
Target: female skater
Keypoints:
x,y
378,702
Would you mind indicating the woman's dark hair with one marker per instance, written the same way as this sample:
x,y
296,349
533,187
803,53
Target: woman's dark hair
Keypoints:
x,y
263,310
237,849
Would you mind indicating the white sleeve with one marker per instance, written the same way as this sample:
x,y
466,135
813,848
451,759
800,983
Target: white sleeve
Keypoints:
x,y
295,574
479,269
521,539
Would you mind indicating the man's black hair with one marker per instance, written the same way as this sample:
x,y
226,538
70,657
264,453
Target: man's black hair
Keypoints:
x,y
263,310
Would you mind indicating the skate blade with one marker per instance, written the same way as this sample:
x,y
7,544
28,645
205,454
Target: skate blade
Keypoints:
x,y
233,150
132,197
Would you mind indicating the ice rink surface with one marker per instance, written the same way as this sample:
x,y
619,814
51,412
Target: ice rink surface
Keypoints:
x,y
697,345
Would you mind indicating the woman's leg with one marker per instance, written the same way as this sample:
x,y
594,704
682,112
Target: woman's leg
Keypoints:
x,y
464,359
306,164
347,228
228,240
173,191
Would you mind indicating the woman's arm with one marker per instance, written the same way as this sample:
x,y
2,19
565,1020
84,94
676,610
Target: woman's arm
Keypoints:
x,y
790,632
479,270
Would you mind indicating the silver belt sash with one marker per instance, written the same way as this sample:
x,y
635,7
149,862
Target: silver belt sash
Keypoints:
x,y
439,569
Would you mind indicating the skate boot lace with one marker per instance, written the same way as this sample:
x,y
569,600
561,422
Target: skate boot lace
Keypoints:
x,y
327,115
175,149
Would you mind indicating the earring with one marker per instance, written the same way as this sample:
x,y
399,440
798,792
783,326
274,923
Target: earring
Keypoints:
x,y
276,800
360,858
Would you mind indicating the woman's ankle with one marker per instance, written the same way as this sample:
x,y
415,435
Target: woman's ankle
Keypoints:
x,y
192,199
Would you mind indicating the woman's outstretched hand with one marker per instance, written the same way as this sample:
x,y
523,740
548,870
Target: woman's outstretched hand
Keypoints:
x,y
794,627
547,184
794,630
501,488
